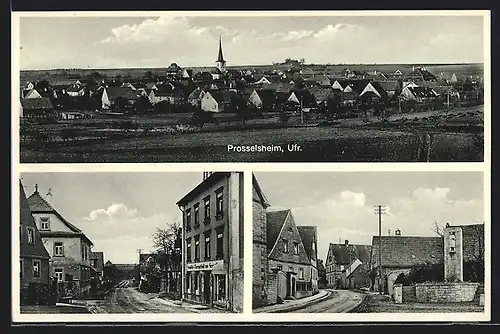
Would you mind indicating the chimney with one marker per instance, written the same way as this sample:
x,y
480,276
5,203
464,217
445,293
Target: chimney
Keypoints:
x,y
398,232
36,188
346,242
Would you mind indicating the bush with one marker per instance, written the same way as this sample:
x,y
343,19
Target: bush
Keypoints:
x,y
423,273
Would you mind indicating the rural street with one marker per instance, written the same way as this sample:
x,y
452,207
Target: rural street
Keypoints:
x,y
126,299
340,301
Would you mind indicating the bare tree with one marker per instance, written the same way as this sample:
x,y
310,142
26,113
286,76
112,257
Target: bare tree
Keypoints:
x,y
167,242
438,229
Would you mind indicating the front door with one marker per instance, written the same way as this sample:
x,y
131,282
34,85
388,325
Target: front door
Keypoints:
x,y
206,288
293,287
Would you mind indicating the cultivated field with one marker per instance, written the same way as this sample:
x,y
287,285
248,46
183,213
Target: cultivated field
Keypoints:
x,y
444,136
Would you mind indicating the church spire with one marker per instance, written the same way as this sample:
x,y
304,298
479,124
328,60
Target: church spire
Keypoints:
x,y
220,57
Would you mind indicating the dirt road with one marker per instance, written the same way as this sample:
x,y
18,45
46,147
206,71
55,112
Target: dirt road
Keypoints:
x,y
126,299
341,301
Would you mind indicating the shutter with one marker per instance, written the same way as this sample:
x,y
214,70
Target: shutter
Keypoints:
x,y
54,250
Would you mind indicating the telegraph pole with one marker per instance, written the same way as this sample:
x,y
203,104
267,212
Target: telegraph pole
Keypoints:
x,y
379,210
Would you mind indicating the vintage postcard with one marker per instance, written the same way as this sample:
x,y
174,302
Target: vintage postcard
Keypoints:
x,y
251,87
174,167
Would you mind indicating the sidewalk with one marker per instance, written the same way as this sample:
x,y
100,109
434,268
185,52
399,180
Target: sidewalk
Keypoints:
x,y
295,304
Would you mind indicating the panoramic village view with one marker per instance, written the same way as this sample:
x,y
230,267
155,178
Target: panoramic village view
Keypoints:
x,y
180,252
421,249
322,89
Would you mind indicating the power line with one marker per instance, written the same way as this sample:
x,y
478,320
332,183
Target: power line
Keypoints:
x,y
379,210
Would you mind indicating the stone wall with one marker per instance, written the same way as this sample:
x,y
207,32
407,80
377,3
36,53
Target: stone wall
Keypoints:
x,y
237,286
409,293
271,288
259,255
445,292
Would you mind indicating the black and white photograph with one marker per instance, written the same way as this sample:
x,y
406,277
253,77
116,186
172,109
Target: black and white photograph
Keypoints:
x,y
368,242
242,87
130,242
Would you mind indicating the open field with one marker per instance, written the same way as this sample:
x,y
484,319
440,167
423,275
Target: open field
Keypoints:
x,y
455,135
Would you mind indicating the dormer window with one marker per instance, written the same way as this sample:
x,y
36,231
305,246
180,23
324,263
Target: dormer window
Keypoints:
x,y
45,224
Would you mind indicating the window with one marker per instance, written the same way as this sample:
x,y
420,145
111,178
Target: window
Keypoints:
x,y
58,249
188,220
341,267
188,250
197,215
220,290
219,202
59,274
285,246
290,269
36,268
197,248
206,213
220,245
296,248
31,235
207,247
301,273
280,267
21,268
45,223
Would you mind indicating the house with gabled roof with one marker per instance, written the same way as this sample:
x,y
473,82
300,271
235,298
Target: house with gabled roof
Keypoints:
x,y
195,97
112,96
287,253
219,100
373,91
344,265
34,273
399,254
309,236
97,262
420,73
262,99
75,91
31,94
418,93
68,246
36,108
322,94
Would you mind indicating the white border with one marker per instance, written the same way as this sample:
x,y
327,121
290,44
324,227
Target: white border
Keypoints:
x,y
247,316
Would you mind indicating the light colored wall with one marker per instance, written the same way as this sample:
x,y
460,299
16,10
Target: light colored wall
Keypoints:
x,y
208,103
56,224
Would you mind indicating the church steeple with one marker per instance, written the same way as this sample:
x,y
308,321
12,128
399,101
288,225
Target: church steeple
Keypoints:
x,y
220,63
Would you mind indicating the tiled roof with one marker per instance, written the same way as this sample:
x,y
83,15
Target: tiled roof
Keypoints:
x,y
345,254
40,205
257,193
321,93
308,234
74,89
267,96
389,85
407,251
62,82
196,94
422,92
26,219
275,221
36,104
224,96
123,92
423,73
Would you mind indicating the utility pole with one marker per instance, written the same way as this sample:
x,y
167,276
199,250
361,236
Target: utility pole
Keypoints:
x,y
379,210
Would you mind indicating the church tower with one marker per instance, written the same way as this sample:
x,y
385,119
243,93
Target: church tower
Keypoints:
x,y
220,63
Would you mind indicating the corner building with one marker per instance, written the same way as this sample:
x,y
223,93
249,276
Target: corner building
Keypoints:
x,y
212,235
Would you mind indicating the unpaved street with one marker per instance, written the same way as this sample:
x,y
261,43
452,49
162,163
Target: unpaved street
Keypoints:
x,y
340,301
125,299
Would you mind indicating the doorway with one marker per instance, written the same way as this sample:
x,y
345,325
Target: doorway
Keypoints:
x,y
207,294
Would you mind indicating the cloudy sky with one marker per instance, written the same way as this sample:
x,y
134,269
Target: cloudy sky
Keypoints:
x,y
116,42
118,211
341,205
